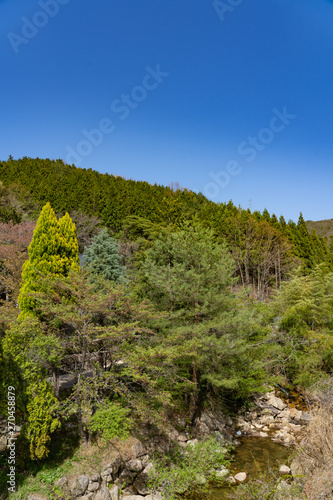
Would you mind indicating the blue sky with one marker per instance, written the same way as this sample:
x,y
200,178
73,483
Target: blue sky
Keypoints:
x,y
232,98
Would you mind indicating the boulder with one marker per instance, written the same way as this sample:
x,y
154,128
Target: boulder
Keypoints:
x,y
140,484
138,449
93,486
114,492
116,466
133,497
79,485
126,478
103,493
182,438
134,465
95,477
241,477
305,417
277,403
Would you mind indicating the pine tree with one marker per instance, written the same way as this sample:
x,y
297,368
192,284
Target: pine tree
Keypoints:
x,y
102,257
53,250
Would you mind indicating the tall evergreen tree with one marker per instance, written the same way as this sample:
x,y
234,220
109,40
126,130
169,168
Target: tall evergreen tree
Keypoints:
x,y
53,250
102,257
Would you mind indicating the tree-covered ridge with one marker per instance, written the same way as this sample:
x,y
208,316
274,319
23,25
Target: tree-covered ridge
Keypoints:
x,y
265,247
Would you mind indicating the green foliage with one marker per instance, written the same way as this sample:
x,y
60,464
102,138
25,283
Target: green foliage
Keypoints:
x,y
53,250
42,421
111,420
189,272
102,258
192,468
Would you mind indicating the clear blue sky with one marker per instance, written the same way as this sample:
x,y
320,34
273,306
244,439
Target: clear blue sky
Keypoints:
x,y
180,91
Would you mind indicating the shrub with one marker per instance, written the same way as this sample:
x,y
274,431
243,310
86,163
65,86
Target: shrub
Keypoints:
x,y
186,469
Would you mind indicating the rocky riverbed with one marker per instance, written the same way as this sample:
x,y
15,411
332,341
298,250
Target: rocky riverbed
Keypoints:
x,y
125,477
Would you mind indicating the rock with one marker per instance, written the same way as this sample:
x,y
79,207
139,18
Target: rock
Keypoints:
x,y
79,485
149,467
114,492
116,466
94,486
107,472
140,484
134,465
95,477
263,434
222,473
277,403
128,491
103,493
62,482
126,478
193,442
88,496
138,449
305,417
284,469
133,497
241,477
182,438
231,480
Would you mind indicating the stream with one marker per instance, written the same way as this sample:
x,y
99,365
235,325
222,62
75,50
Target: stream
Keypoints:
x,y
254,456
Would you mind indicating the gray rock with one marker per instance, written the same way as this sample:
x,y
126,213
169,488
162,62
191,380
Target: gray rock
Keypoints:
x,y
88,496
192,442
241,477
129,491
103,493
116,466
182,438
305,417
284,469
95,477
138,449
134,465
140,484
126,478
93,486
114,492
107,472
149,467
133,497
79,485
154,496
277,403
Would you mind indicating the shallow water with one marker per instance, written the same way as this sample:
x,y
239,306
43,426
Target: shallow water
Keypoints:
x,y
254,456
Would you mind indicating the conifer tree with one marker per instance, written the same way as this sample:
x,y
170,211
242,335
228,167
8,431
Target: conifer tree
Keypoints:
x,y
53,250
102,257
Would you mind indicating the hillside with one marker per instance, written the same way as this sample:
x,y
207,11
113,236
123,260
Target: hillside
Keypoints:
x,y
265,248
323,228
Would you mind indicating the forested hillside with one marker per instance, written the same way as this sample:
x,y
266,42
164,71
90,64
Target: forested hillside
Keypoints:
x,y
265,248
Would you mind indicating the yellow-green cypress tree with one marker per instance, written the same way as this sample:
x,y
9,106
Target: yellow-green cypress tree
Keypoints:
x,y
53,250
